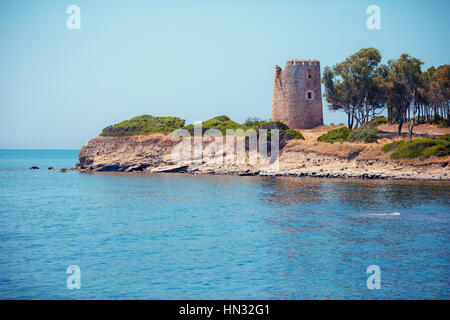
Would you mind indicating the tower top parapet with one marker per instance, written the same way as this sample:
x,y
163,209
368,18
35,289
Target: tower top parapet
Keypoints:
x,y
310,62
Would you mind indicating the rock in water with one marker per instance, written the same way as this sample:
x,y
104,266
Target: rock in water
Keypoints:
x,y
175,168
34,168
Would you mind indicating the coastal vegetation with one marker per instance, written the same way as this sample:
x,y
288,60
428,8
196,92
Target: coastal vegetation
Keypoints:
x,y
339,134
221,123
378,120
142,125
367,133
274,125
250,127
147,124
419,148
363,87
294,134
285,133
254,122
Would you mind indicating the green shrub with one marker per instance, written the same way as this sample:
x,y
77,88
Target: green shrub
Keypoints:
x,y
390,146
378,120
285,133
269,125
253,122
294,134
418,148
221,123
445,137
142,125
439,150
147,124
443,124
221,118
412,149
366,134
340,134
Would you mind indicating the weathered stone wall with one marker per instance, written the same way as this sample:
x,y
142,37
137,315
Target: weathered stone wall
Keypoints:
x,y
297,94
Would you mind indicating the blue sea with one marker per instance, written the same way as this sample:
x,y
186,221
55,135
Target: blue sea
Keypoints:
x,y
175,236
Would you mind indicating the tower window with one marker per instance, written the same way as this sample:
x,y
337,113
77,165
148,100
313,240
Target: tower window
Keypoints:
x,y
309,95
309,76
308,73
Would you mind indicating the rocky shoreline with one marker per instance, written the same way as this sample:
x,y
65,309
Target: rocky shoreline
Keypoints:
x,y
152,154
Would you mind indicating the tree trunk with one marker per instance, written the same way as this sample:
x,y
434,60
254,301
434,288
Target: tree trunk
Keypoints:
x,y
351,118
410,127
401,115
413,118
399,129
348,120
418,115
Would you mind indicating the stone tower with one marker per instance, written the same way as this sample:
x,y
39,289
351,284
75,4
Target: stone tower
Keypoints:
x,y
297,94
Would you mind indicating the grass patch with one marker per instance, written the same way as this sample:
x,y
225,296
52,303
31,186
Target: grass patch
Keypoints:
x,y
142,125
378,120
367,134
294,134
419,148
340,134
444,124
390,146
445,137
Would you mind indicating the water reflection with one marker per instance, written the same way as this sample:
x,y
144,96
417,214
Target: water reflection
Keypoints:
x,y
322,239
357,194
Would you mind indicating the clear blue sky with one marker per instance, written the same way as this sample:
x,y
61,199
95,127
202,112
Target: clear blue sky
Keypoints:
x,y
192,59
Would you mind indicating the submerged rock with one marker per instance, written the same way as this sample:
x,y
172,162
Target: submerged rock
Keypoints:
x,y
34,168
249,172
175,168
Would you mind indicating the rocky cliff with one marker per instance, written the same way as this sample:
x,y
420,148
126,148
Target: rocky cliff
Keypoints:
x,y
127,153
152,153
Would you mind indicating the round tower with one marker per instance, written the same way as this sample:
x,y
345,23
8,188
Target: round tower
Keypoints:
x,y
297,94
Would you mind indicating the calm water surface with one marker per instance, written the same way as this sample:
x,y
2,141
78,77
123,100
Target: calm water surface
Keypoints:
x,y
214,237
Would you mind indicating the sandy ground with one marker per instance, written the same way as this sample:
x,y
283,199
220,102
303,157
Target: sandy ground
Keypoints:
x,y
388,134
